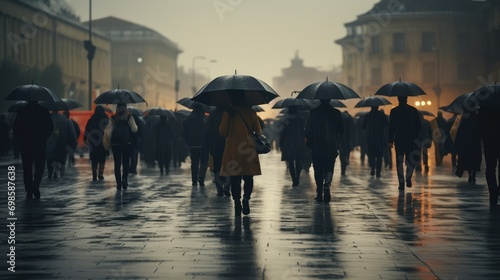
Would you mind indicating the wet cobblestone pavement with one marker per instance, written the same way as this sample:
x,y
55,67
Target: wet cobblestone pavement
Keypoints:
x,y
163,228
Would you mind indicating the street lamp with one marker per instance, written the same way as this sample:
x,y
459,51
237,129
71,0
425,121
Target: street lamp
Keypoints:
x,y
194,72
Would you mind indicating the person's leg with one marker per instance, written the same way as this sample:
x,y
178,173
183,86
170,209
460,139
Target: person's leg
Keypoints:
x,y
318,177
50,168
329,164
378,165
203,166
399,166
27,160
134,155
291,169
236,193
94,169
425,157
100,171
247,193
298,170
371,162
491,158
117,158
39,162
412,157
125,165
195,154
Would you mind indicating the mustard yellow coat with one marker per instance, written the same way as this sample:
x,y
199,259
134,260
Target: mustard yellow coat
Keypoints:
x,y
240,157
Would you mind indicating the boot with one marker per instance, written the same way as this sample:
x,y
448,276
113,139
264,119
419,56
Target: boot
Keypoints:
x,y
94,174
101,171
237,208
319,194
326,187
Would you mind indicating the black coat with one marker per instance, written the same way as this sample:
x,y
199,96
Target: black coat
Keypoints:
x,y
404,126
323,130
195,130
32,127
216,142
374,125
468,144
292,139
93,135
163,141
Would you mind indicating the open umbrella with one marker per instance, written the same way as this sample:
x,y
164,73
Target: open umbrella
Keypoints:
x,y
257,108
217,91
119,96
289,102
189,103
372,101
461,103
14,107
426,113
160,112
61,105
134,111
32,93
488,95
400,89
337,104
327,90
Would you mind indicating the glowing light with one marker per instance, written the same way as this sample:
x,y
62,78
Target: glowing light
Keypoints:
x,y
417,103
429,103
139,59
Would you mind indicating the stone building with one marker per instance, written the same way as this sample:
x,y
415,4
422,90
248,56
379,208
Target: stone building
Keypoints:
x,y
440,45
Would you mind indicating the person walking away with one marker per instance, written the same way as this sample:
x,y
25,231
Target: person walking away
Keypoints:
x,y
489,125
5,142
195,130
425,137
136,143
216,144
118,136
74,147
31,130
292,146
240,160
93,137
62,139
374,125
468,146
163,142
346,141
404,128
441,138
323,130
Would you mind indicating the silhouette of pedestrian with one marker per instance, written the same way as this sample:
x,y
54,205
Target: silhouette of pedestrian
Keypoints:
x,y
404,128
323,130
468,146
74,147
443,138
4,136
31,129
163,142
489,124
374,124
425,137
118,136
216,144
240,159
62,140
346,141
93,137
195,131
292,145
136,143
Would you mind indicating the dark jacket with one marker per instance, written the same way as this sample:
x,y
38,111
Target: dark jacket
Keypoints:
x,y
93,135
32,127
323,130
163,141
374,125
404,125
216,142
468,144
195,130
292,139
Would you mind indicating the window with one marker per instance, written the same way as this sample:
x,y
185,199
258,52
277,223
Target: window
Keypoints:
x,y
399,70
464,71
375,44
376,76
428,42
398,42
429,75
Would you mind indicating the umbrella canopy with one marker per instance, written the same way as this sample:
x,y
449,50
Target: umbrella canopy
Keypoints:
x,y
451,109
62,105
257,108
14,107
426,113
461,103
289,102
160,112
337,104
488,95
119,96
327,90
189,103
252,90
32,93
135,111
400,89
372,101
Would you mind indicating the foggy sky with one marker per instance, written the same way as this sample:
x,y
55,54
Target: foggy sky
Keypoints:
x,y
256,37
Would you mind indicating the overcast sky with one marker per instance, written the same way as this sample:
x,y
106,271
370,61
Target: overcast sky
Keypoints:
x,y
256,37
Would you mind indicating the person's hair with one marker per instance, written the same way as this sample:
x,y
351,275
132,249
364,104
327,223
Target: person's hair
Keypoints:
x,y
99,110
121,109
403,99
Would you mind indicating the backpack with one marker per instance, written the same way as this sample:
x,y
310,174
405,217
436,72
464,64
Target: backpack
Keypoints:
x,y
121,131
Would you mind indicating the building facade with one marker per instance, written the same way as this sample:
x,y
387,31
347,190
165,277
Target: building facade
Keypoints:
x,y
142,60
440,45
36,34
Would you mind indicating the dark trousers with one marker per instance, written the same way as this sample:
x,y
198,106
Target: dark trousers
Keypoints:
x,y
410,154
344,160
95,166
199,164
30,159
323,171
424,160
375,162
295,167
492,160
134,157
121,156
236,186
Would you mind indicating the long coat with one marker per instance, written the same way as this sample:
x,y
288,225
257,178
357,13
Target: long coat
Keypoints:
x,y
468,144
216,142
323,130
62,138
404,126
292,138
94,134
240,156
32,127
374,124
163,141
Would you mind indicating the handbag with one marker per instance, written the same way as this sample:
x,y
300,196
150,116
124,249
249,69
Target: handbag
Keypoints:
x,y
262,146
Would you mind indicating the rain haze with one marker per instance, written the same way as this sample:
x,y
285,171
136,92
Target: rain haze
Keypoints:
x,y
255,37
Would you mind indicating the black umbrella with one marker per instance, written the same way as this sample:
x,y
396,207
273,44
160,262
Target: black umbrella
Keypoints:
x,y
400,89
160,112
16,106
119,96
217,91
32,93
488,95
327,90
451,109
289,102
189,103
257,108
62,105
372,101
135,111
337,104
426,113
461,103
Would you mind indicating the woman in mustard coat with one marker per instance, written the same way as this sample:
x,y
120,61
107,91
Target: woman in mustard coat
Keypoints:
x,y
240,159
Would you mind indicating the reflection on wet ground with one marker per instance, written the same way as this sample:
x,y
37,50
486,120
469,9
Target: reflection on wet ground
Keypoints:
x,y
163,228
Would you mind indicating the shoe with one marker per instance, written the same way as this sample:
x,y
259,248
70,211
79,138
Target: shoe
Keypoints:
x,y
100,177
378,175
327,196
408,183
246,206
401,186
29,195
118,186
36,193
318,198
237,210
372,172
226,192
202,182
124,184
